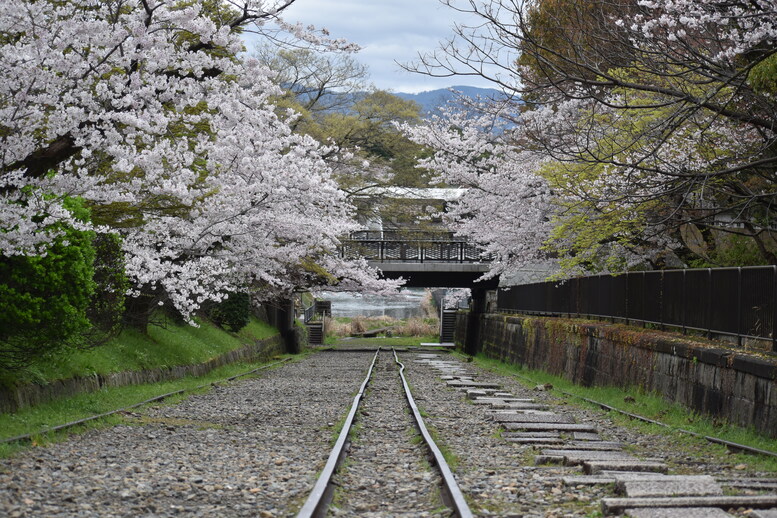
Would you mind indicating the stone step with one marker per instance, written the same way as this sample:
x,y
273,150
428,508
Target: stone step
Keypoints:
x,y
595,445
632,475
493,399
515,405
618,505
595,467
479,393
483,402
479,384
534,435
676,485
764,513
577,457
548,427
588,480
611,477
585,436
536,442
582,445
670,512
516,411
539,417
748,483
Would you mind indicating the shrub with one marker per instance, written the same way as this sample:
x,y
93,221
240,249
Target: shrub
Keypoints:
x,y
234,313
44,299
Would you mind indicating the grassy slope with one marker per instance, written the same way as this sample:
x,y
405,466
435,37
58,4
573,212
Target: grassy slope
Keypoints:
x,y
175,344
35,419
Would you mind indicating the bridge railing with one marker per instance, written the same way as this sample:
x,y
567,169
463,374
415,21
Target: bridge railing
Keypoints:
x,y
407,235
411,246
740,302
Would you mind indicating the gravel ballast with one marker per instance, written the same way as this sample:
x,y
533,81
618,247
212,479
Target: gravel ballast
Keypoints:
x,y
251,448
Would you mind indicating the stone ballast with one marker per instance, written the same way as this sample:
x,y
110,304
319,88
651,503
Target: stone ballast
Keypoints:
x,y
720,382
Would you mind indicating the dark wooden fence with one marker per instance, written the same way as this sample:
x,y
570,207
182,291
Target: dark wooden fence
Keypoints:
x,y
740,302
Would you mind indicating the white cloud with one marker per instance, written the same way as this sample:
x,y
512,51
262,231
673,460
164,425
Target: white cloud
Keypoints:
x,y
389,31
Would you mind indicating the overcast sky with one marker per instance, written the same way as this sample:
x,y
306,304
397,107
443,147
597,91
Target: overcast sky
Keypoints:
x,y
387,31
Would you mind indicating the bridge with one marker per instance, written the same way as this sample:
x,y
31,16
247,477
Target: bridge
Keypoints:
x,y
426,259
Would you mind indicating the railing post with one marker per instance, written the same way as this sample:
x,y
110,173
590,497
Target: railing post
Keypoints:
x,y
739,306
684,315
626,297
709,302
644,324
661,302
774,309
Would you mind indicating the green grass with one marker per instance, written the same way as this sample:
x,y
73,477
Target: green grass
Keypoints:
x,y
33,420
175,344
652,406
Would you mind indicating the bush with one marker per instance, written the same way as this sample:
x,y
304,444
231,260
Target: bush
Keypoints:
x,y
233,313
44,299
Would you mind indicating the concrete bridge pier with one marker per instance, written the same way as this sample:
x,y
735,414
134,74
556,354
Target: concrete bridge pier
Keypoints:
x,y
477,309
281,315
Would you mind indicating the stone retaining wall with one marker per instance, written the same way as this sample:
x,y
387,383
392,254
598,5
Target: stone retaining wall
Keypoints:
x,y
32,394
736,386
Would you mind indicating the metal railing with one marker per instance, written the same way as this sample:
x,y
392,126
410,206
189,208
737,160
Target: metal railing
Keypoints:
x,y
318,310
740,302
410,234
411,246
310,313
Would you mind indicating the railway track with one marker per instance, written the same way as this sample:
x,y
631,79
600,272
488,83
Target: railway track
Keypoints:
x,y
391,465
255,448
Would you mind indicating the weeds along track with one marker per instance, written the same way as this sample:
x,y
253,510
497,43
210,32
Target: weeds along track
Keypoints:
x,y
385,462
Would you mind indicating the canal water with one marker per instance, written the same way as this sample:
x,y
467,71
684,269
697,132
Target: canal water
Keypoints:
x,y
406,304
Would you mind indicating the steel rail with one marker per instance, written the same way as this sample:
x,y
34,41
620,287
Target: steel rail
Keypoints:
x,y
318,500
716,440
455,496
71,424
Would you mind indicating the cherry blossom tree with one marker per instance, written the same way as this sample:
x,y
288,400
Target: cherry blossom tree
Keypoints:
x,y
662,108
147,111
507,207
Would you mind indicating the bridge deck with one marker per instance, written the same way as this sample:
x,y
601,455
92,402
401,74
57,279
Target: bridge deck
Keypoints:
x,y
423,259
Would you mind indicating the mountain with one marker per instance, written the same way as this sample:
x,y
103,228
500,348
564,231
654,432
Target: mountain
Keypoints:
x,y
432,100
